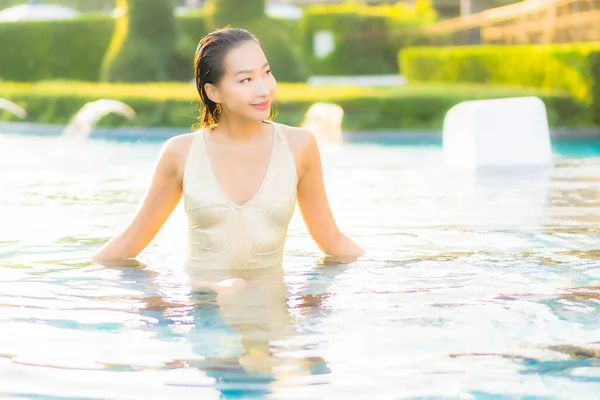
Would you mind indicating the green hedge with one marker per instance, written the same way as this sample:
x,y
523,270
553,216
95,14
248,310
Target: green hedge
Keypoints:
x,y
80,5
143,43
48,50
574,68
366,37
38,50
236,12
192,27
175,104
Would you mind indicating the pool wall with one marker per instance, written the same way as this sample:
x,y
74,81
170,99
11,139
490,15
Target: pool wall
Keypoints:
x,y
154,133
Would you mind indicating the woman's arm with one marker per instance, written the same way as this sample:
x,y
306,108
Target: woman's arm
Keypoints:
x,y
314,205
160,200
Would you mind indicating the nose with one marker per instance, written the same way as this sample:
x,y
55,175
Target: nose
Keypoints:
x,y
262,90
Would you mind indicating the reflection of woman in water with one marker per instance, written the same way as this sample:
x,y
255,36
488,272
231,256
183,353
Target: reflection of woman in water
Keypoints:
x,y
236,332
240,175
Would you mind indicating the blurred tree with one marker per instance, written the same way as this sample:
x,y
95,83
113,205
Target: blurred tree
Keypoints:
x,y
454,8
143,42
505,2
236,12
80,5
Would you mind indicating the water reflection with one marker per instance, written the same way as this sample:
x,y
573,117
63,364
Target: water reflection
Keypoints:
x,y
575,362
244,327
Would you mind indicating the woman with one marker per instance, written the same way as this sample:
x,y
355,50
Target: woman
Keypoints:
x,y
240,175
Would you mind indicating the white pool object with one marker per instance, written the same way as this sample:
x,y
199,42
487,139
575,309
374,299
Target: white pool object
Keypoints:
x,y
324,120
506,132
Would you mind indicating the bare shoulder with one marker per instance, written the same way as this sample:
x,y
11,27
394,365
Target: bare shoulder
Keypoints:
x,y
179,144
303,146
300,140
176,149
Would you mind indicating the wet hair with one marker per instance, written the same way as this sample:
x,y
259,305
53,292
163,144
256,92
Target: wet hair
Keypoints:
x,y
209,66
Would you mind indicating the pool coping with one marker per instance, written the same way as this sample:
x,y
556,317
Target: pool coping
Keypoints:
x,y
164,133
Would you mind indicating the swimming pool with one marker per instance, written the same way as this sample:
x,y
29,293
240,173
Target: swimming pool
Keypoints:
x,y
474,287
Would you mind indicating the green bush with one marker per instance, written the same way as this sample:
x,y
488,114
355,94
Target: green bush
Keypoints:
x,y
143,42
191,27
574,68
45,50
236,12
80,5
366,109
38,50
366,38
595,85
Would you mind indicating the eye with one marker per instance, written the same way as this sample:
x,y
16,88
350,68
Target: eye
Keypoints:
x,y
269,72
245,80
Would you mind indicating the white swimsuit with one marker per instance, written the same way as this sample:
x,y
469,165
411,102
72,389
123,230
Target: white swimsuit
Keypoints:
x,y
224,235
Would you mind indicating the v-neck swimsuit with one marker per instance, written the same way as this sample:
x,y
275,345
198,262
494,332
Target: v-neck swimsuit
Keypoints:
x,y
224,235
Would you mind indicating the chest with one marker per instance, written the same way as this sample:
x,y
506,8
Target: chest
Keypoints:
x,y
240,172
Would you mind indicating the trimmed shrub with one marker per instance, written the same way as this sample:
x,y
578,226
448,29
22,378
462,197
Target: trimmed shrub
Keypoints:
x,y
143,42
46,50
80,5
191,27
38,50
574,68
366,37
595,85
236,12
366,109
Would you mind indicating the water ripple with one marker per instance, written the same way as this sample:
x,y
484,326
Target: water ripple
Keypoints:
x,y
475,287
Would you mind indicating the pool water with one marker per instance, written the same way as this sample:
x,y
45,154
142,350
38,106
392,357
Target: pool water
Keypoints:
x,y
475,286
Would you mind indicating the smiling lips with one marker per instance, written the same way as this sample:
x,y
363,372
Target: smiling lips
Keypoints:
x,y
262,105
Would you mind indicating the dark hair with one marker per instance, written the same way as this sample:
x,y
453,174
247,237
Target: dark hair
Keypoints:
x,y
209,68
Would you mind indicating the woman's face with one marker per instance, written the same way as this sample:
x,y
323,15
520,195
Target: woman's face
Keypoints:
x,y
247,87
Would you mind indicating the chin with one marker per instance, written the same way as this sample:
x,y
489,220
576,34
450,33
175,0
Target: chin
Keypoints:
x,y
260,115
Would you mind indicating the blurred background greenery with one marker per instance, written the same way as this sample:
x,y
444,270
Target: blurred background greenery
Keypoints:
x,y
390,64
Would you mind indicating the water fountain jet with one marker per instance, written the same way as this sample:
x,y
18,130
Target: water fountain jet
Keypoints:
x,y
86,119
12,108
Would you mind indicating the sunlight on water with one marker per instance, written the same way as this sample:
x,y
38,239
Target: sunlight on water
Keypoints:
x,y
480,286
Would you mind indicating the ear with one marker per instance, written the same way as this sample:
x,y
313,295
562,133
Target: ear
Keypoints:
x,y
212,92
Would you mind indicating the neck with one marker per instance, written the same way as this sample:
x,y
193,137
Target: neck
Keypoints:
x,y
237,129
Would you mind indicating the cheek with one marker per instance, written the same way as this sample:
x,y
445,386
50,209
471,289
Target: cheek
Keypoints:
x,y
237,93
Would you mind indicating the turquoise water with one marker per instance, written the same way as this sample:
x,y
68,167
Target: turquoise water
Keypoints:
x,y
476,286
